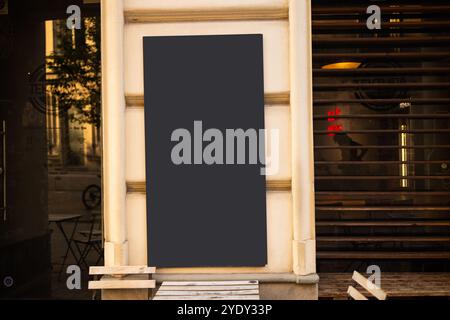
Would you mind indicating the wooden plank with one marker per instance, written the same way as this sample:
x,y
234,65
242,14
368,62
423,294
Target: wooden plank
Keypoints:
x,y
364,131
121,284
270,99
384,208
354,10
382,56
201,15
385,116
121,270
395,42
430,146
333,177
384,223
358,27
355,294
382,239
388,255
415,101
240,297
206,293
386,85
206,288
376,291
319,72
210,283
382,193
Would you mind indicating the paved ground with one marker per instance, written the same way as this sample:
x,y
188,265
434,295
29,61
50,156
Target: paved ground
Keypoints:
x,y
59,275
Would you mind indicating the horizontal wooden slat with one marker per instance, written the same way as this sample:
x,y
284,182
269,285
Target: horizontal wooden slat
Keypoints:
x,y
362,239
357,27
388,255
380,208
414,101
121,284
210,283
385,116
431,146
401,56
382,193
271,185
399,85
375,162
385,9
331,177
361,177
418,131
214,297
208,288
207,293
380,71
393,42
200,15
270,99
384,223
121,270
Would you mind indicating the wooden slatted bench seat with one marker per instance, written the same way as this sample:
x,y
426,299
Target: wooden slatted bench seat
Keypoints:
x,y
208,290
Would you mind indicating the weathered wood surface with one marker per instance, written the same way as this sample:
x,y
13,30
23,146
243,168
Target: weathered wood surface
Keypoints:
x,y
395,285
127,282
121,270
208,290
355,294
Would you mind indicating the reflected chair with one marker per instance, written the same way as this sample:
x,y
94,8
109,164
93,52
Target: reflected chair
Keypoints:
x,y
89,239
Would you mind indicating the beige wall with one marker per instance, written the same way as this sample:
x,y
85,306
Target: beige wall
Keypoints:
x,y
283,244
200,4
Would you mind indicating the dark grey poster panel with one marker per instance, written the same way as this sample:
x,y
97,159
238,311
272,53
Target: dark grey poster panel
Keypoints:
x,y
202,212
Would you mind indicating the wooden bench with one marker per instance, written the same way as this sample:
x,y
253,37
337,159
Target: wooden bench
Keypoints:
x,y
208,290
121,277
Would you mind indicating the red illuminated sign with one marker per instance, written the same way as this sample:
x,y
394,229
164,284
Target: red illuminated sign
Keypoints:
x,y
334,127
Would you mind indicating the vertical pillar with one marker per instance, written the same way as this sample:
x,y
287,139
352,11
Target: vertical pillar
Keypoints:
x,y
304,246
113,126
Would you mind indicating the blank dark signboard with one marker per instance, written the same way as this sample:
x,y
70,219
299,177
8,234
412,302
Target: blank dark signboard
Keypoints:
x,y
200,214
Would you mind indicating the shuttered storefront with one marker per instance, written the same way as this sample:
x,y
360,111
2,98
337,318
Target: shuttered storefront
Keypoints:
x,y
382,135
